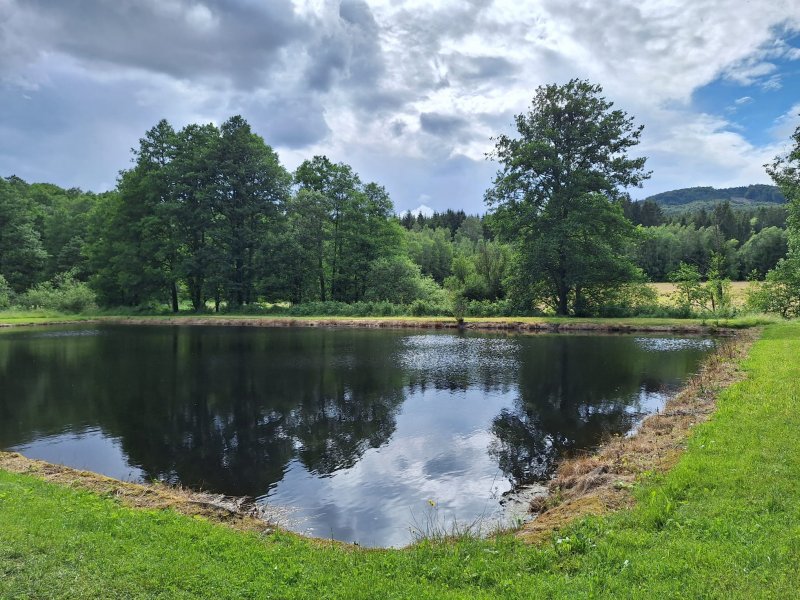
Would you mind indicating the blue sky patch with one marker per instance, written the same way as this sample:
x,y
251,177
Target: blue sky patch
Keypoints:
x,y
753,97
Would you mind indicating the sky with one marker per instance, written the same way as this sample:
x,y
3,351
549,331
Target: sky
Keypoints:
x,y
408,92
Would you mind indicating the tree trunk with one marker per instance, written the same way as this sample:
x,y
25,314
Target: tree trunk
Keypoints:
x,y
563,303
174,296
196,290
321,281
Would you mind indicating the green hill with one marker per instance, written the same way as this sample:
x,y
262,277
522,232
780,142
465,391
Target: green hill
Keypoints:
x,y
695,198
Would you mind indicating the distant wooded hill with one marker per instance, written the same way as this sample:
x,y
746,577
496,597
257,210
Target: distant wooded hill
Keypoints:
x,y
695,198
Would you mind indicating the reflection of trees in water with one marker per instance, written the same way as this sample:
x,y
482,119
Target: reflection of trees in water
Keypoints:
x,y
211,408
573,392
228,410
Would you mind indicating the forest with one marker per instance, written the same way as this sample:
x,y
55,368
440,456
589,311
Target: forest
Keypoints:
x,y
208,219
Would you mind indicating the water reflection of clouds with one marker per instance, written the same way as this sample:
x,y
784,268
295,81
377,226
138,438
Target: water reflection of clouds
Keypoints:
x,y
437,456
90,449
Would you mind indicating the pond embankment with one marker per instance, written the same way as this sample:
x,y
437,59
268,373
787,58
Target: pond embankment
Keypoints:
x,y
599,482
494,324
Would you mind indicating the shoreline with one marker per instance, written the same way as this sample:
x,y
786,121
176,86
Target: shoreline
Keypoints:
x,y
592,483
602,481
494,324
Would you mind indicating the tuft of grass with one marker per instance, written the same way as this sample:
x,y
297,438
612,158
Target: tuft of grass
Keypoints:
x,y
723,523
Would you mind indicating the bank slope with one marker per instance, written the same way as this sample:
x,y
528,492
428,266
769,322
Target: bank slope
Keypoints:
x,y
724,523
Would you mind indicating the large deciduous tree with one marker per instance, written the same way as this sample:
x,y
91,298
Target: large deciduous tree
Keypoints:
x,y
22,254
356,230
557,195
781,292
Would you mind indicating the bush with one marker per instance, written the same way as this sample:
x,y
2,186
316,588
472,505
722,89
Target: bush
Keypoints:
x,y
395,278
63,293
780,292
626,300
487,308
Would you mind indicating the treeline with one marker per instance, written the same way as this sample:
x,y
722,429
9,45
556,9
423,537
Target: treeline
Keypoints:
x,y
751,241
208,218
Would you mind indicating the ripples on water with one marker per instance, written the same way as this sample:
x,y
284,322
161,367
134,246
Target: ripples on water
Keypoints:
x,y
653,344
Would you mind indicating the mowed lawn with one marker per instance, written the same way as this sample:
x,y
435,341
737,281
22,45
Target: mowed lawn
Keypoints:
x,y
724,523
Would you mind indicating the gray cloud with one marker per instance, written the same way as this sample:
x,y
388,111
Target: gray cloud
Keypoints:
x,y
240,42
287,121
472,68
349,55
441,124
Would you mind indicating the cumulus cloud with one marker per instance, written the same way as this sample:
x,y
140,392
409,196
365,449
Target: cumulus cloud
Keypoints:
x,y
409,92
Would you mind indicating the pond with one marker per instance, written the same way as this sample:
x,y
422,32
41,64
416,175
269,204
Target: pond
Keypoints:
x,y
369,436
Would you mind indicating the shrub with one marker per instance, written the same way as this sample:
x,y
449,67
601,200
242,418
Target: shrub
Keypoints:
x,y
63,293
780,292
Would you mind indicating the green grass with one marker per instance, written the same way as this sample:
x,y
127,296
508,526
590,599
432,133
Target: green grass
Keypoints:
x,y
724,523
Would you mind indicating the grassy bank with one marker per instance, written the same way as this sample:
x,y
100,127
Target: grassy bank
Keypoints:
x,y
725,522
9,318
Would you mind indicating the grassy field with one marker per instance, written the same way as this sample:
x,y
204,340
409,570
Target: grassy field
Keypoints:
x,y
724,523
666,292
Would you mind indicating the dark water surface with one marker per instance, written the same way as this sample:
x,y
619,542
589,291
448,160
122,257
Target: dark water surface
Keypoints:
x,y
361,431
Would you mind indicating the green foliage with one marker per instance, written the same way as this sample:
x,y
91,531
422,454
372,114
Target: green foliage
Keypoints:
x,y
349,226
63,293
556,197
785,172
394,279
718,287
780,292
22,255
763,251
766,194
6,294
626,300
432,250
689,291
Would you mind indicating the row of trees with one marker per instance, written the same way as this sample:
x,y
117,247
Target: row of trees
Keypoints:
x,y
211,212
208,216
